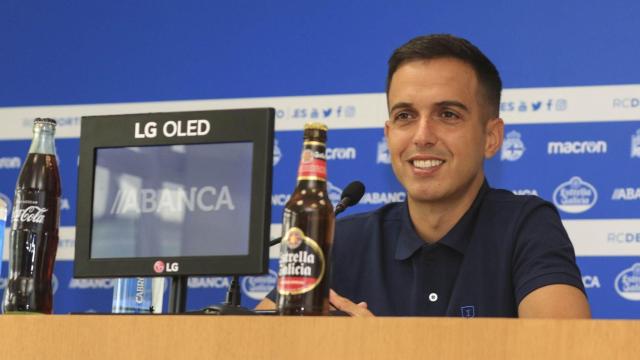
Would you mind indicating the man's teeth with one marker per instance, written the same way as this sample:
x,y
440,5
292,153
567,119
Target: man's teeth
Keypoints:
x,y
425,164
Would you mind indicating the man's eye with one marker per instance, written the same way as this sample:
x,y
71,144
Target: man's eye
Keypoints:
x,y
446,114
402,116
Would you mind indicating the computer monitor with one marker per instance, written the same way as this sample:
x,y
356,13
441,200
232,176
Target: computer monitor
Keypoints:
x,y
174,194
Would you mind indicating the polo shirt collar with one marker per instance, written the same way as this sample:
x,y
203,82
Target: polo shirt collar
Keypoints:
x,y
457,238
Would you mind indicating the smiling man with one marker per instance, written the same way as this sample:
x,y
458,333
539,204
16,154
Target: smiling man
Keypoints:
x,y
456,247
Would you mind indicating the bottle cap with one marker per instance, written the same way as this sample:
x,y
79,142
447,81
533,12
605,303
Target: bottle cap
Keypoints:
x,y
315,126
44,121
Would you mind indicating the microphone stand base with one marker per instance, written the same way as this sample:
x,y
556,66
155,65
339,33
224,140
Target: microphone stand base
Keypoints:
x,y
226,309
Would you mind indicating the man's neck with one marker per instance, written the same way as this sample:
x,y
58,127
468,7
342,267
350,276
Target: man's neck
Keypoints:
x,y
433,220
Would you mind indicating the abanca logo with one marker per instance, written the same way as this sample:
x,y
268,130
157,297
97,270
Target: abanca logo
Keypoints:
x,y
137,201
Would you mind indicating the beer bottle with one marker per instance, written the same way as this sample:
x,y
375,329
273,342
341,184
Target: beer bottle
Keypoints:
x,y
307,233
33,240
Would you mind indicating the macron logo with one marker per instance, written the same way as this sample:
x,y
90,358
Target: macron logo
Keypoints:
x,y
576,147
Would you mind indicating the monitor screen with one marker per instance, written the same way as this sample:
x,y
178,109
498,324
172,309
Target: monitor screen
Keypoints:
x,y
159,201
174,194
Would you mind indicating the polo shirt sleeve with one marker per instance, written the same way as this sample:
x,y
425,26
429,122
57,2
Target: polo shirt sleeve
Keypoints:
x,y
543,254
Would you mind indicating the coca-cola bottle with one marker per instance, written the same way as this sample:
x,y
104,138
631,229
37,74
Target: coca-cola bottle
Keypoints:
x,y
33,240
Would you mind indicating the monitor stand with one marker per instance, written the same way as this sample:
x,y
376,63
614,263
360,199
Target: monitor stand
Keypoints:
x,y
231,305
178,295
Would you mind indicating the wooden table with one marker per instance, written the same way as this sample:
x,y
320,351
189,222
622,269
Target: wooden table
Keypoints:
x,y
270,337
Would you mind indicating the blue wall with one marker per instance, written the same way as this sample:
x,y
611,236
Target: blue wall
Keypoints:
x,y
55,52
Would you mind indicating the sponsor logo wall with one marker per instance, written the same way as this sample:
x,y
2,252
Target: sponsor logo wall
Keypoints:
x,y
578,148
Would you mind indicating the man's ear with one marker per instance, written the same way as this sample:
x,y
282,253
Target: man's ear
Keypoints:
x,y
386,130
494,137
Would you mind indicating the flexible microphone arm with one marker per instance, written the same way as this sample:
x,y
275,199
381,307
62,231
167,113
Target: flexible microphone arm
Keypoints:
x,y
350,196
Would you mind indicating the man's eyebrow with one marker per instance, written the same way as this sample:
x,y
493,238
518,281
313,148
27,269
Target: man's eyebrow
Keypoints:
x,y
400,105
453,103
444,103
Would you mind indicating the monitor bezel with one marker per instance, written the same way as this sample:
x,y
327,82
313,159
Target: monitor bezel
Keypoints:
x,y
227,126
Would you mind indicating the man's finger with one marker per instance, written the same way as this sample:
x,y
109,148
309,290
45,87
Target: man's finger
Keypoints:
x,y
346,305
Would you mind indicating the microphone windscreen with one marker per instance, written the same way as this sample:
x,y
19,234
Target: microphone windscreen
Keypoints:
x,y
353,193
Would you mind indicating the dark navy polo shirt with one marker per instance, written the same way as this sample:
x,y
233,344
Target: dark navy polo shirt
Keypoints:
x,y
503,248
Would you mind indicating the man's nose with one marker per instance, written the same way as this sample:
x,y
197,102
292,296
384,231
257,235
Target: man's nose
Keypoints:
x,y
425,135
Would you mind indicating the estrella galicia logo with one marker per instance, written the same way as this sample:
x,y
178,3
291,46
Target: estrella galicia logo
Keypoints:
x,y
512,147
335,193
257,287
635,144
627,283
277,154
575,196
384,157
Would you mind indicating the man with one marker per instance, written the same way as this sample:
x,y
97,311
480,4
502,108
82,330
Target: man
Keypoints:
x,y
456,247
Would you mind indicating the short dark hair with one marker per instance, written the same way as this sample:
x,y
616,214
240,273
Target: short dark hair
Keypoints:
x,y
438,46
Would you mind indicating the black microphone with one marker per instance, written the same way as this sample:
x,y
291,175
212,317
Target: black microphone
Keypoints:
x,y
350,196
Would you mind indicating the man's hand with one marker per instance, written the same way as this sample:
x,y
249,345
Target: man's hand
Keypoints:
x,y
346,305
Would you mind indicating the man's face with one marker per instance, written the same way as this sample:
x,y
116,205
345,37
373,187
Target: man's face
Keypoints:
x,y
435,132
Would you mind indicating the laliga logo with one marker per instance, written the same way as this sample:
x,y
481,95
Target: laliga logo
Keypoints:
x,y
277,154
512,147
575,196
257,287
627,283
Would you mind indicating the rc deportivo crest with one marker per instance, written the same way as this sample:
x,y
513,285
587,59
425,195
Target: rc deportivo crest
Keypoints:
x,y
575,196
383,153
513,147
334,193
627,283
277,154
